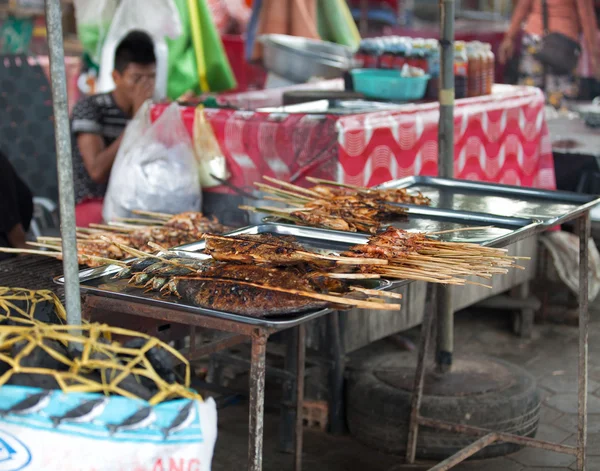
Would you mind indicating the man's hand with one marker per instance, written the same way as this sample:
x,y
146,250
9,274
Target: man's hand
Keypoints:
x,y
506,50
142,91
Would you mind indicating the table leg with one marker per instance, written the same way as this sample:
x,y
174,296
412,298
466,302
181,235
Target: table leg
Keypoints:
x,y
301,358
417,395
584,232
336,375
287,423
257,400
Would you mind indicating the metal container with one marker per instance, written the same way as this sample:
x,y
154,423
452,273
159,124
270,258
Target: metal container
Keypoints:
x,y
299,59
591,113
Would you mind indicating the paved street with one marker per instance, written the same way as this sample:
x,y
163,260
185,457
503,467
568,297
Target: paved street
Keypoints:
x,y
551,356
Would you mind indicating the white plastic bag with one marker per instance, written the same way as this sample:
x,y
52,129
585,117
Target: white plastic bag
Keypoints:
x,y
93,18
155,168
158,18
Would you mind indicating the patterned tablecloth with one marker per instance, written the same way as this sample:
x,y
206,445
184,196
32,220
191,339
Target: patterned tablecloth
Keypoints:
x,y
502,138
285,146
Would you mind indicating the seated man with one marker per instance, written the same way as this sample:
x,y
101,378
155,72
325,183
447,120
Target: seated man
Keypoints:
x,y
99,121
16,208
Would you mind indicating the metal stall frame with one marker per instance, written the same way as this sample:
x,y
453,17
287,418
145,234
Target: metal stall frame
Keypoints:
x,y
64,160
488,437
258,334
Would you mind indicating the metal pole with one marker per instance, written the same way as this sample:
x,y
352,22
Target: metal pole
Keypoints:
x,y
300,368
445,332
63,160
584,234
258,368
419,380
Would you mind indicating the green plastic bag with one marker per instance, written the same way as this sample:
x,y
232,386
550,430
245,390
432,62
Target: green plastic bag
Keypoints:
x,y
219,76
183,73
336,23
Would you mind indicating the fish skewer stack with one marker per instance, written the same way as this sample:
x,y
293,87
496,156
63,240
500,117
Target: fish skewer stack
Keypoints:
x,y
164,229
339,207
418,256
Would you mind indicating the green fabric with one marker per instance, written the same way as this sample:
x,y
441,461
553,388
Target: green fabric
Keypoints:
x,y
15,35
218,70
183,74
338,23
92,37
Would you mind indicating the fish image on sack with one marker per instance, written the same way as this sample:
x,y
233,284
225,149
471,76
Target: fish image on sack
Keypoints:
x,y
183,419
84,413
142,418
30,405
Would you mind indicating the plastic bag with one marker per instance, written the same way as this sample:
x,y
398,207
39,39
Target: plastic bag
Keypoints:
x,y
211,160
158,18
155,168
93,20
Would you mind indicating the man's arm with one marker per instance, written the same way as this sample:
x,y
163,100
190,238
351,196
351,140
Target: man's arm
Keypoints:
x,y
17,237
97,158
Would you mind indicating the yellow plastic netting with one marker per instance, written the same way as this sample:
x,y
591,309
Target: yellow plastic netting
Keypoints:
x,y
99,365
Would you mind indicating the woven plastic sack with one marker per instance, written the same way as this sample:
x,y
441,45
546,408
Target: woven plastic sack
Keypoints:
x,y
158,172
54,431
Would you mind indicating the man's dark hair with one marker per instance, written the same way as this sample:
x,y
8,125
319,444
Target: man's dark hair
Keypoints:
x,y
135,48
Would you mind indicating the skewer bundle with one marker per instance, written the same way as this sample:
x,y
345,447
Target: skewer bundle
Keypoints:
x,y
168,230
336,206
419,256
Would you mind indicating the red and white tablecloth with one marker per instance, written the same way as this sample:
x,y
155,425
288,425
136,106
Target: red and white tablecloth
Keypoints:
x,y
502,138
285,146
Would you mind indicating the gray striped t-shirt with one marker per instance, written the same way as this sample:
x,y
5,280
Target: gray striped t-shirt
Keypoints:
x,y
95,114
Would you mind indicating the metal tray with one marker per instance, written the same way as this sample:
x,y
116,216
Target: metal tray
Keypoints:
x,y
98,281
425,219
547,207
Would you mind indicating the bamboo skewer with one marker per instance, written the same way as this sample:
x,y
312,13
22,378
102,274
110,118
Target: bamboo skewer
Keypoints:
x,y
290,186
321,181
374,292
58,255
336,258
145,222
163,216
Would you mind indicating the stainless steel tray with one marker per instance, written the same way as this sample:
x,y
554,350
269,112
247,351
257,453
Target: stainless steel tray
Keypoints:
x,y
547,207
98,281
425,219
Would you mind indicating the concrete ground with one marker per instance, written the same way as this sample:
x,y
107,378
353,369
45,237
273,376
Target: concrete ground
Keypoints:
x,y
551,355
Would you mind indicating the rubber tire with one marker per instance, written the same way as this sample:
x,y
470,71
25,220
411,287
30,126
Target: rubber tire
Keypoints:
x,y
378,413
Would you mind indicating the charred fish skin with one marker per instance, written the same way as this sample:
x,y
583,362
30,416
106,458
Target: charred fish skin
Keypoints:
x,y
141,418
85,412
183,419
30,405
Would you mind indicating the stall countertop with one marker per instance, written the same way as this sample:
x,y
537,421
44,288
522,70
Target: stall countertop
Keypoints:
x,y
570,135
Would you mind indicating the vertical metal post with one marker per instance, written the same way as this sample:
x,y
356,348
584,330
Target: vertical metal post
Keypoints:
x,y
419,380
63,160
301,359
336,375
584,234
287,424
445,343
446,93
257,400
